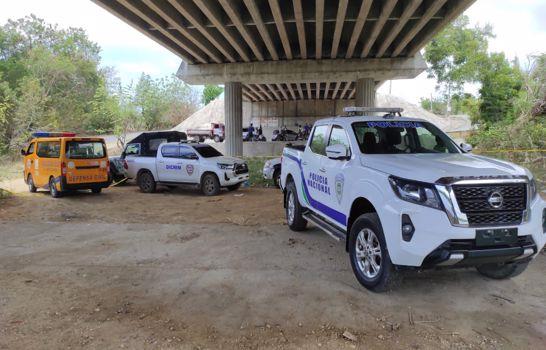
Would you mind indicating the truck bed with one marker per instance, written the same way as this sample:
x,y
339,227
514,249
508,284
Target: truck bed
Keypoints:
x,y
296,147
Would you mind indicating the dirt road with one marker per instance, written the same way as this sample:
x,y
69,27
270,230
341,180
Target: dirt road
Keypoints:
x,y
179,270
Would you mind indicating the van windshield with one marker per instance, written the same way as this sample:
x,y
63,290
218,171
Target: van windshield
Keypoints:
x,y
85,150
392,137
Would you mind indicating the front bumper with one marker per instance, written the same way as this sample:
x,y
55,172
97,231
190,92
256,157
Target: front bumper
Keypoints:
x,y
230,178
435,239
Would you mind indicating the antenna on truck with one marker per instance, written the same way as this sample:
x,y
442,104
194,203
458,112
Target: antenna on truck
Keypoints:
x,y
391,112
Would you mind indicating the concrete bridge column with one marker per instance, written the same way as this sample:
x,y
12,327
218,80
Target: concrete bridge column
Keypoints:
x,y
233,107
365,92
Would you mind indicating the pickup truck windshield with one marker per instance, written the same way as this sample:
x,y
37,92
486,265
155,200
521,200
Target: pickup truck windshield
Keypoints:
x,y
392,137
85,150
207,151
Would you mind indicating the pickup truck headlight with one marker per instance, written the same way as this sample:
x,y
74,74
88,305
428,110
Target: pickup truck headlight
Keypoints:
x,y
225,166
416,192
533,188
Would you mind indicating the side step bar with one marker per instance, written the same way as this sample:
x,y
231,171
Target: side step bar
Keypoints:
x,y
325,226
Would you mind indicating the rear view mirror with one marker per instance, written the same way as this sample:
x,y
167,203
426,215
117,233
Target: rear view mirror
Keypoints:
x,y
338,151
23,152
466,147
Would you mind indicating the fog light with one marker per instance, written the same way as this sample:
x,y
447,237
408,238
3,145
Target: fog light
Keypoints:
x,y
407,228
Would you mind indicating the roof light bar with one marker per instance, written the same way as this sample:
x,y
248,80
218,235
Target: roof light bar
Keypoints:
x,y
53,134
362,110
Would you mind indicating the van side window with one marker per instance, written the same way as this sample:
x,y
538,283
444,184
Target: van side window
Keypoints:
x,y
30,149
338,136
50,149
319,139
170,152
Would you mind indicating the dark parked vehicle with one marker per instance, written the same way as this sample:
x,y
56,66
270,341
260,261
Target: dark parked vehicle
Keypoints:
x,y
285,135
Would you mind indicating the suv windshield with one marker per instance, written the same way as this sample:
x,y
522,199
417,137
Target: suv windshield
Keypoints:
x,y
207,151
85,150
391,137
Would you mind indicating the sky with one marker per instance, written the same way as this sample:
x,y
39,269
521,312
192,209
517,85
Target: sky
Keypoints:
x,y
519,25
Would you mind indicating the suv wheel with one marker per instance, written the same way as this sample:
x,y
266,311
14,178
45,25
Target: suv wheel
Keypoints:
x,y
294,211
210,186
55,193
146,182
30,183
501,271
369,256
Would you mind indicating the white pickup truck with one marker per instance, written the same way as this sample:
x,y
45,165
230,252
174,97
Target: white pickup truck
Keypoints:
x,y
181,163
402,194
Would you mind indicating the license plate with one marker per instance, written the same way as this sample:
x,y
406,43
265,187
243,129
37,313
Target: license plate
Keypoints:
x,y
496,236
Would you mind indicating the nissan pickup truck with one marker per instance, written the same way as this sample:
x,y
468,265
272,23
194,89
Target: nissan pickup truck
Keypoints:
x,y
182,164
403,195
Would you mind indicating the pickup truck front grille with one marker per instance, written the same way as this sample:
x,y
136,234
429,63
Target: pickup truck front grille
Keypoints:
x,y
240,169
475,202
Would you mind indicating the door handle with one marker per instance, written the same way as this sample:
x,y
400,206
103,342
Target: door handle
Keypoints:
x,y
322,170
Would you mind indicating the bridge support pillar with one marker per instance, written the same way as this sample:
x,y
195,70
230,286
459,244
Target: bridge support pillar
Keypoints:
x,y
233,107
365,92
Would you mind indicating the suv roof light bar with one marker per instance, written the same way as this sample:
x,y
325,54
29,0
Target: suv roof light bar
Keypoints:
x,y
390,111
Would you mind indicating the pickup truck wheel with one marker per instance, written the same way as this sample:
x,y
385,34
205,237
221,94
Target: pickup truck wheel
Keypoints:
x,y
55,193
369,256
277,177
30,183
146,182
210,186
501,271
294,211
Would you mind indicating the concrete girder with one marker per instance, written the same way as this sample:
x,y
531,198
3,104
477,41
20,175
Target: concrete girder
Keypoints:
x,y
319,28
395,30
304,71
300,91
386,10
274,92
283,91
309,93
341,11
277,15
257,18
256,92
336,89
298,15
359,24
264,91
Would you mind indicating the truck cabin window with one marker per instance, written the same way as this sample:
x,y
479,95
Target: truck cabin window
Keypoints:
x,y
392,137
85,150
206,151
50,149
319,139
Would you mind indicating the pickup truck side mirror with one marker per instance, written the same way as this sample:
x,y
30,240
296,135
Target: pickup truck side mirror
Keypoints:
x,y
23,152
339,152
466,147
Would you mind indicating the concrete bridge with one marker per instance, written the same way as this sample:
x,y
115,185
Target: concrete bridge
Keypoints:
x,y
290,50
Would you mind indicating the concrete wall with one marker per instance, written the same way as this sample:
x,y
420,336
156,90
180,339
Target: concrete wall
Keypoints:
x,y
259,149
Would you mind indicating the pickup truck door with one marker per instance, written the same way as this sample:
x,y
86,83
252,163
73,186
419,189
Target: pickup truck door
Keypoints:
x,y
314,174
334,170
169,164
190,165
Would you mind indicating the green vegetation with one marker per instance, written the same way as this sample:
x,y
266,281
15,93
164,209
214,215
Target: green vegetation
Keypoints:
x,y
51,79
255,167
210,92
10,169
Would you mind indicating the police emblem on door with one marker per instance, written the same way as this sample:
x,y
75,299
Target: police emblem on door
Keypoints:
x,y
340,180
189,169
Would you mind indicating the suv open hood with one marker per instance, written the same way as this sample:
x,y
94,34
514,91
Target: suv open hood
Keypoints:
x,y
430,167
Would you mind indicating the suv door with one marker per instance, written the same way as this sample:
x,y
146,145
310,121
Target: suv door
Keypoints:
x,y
314,176
334,170
29,160
168,164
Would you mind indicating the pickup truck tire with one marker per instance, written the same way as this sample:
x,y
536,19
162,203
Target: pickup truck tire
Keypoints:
x,y
294,211
369,256
234,187
501,271
30,183
146,182
277,177
210,185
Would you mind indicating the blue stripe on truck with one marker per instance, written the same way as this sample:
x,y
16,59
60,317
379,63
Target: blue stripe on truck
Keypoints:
x,y
323,208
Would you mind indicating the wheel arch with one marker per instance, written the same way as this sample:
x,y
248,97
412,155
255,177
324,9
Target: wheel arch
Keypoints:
x,y
361,205
289,178
205,173
144,170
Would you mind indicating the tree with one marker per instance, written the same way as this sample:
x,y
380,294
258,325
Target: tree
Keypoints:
x,y
455,56
210,92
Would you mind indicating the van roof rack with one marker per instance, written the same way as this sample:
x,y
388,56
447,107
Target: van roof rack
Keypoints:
x,y
390,112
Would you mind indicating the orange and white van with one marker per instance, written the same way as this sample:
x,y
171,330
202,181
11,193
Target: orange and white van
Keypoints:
x,y
62,162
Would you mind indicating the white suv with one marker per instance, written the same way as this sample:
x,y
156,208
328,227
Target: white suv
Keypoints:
x,y
404,195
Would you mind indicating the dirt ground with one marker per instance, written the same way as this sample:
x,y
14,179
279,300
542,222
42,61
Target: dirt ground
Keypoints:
x,y
176,270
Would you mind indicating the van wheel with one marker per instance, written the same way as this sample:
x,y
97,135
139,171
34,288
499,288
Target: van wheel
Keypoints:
x,y
294,211
369,255
146,182
30,183
501,271
210,186
96,190
55,193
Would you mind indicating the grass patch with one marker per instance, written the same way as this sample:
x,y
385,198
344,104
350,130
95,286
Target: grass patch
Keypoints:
x,y
255,167
10,169
4,194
